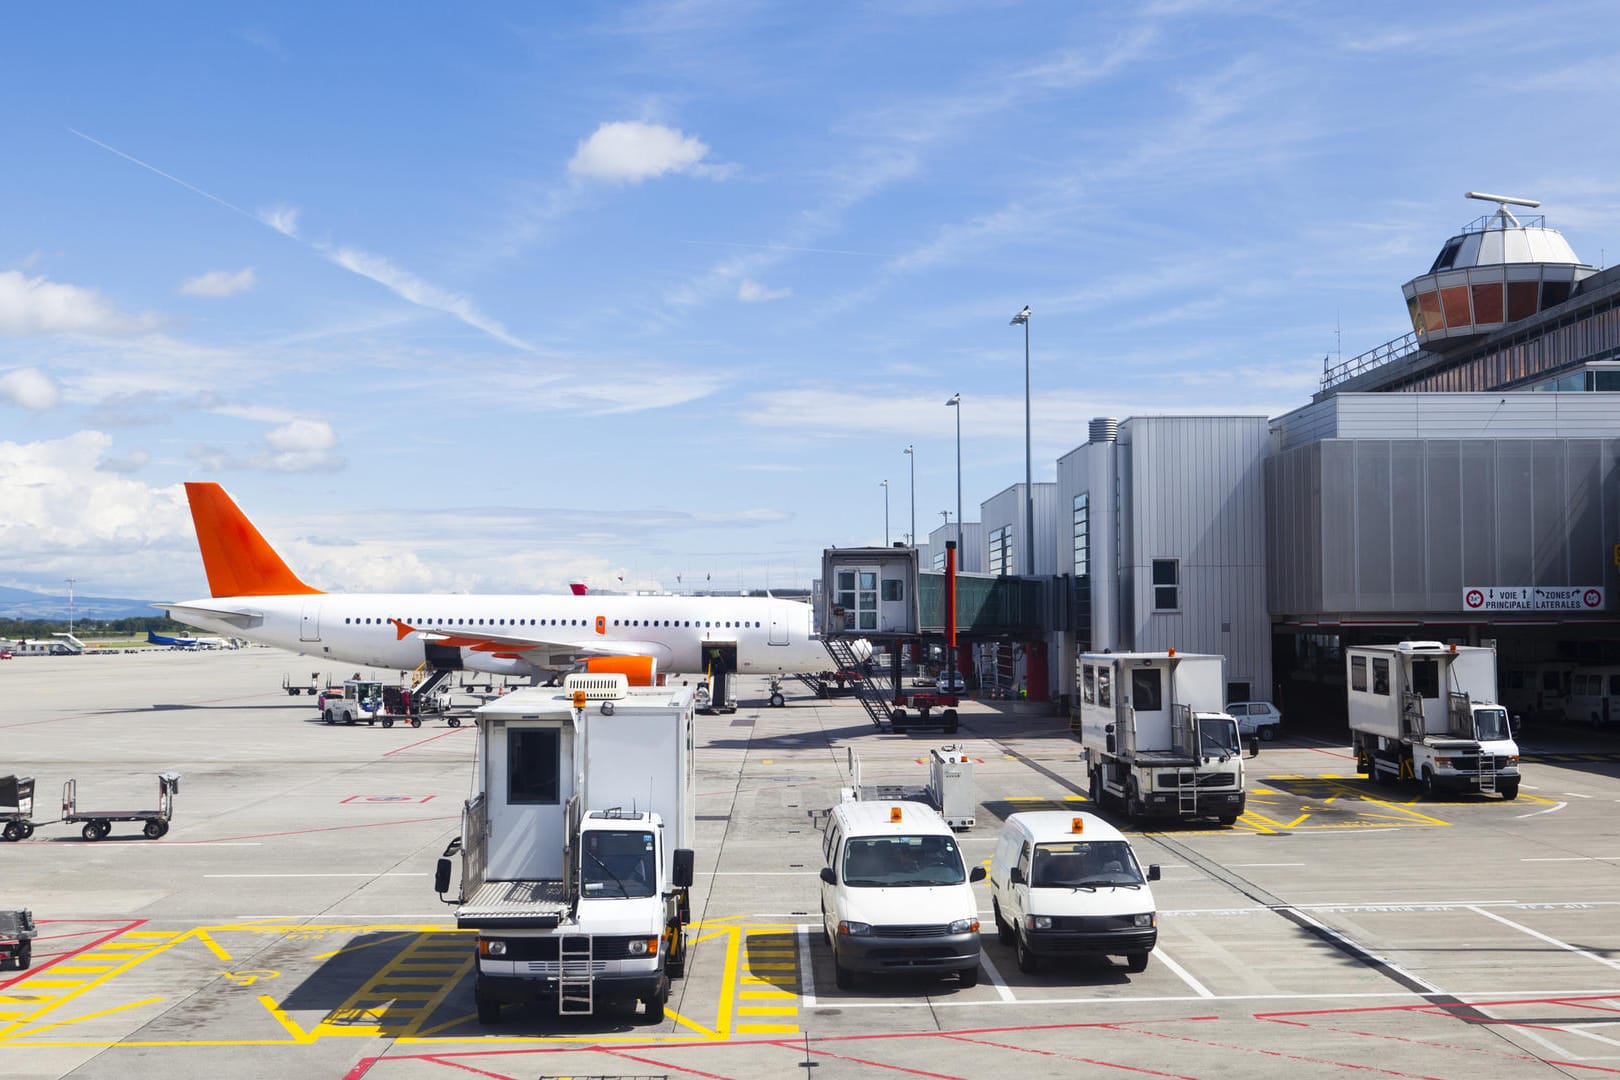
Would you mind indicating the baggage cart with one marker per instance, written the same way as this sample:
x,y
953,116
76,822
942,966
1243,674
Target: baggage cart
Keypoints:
x,y
98,823
17,807
17,932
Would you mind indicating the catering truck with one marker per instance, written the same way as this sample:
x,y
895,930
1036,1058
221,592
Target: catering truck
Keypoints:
x,y
1157,743
1423,711
575,864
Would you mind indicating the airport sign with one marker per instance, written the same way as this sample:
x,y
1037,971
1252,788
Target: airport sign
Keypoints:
x,y
1534,598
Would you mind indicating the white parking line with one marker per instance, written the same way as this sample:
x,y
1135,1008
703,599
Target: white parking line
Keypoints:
x,y
1538,813
391,873
1549,940
1183,974
807,977
995,978
1577,858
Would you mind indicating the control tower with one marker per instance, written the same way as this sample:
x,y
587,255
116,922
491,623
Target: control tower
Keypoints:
x,y
1498,270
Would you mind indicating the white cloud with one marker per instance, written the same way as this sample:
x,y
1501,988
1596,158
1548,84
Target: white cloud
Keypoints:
x,y
752,292
221,283
29,388
283,219
407,286
630,151
33,306
134,461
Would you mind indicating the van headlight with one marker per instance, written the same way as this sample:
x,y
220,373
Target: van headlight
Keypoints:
x,y
1037,922
854,929
638,947
493,948
964,926
1144,919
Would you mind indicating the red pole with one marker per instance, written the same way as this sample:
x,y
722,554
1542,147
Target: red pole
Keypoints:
x,y
950,594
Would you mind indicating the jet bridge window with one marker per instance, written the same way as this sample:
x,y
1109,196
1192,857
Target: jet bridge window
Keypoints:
x,y
533,766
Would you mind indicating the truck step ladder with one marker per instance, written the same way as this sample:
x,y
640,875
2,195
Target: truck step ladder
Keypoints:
x,y
574,981
1487,773
871,698
1187,792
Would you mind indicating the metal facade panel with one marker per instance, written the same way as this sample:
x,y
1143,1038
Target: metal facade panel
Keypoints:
x,y
1515,543
1549,535
1409,512
1373,523
1442,523
1588,475
1479,533
1338,487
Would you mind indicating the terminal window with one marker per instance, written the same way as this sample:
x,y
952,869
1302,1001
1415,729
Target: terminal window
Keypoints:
x,y
1166,579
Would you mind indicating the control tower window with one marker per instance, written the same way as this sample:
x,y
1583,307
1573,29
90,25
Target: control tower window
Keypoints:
x,y
1448,255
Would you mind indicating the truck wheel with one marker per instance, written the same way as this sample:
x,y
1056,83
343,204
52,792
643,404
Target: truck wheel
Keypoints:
x,y
843,976
1510,791
329,717
416,721
388,723
25,955
489,1012
28,826
897,718
1004,933
777,700
1028,962
13,831
969,977
454,721
1268,733
92,830
1136,961
156,828
951,725
655,1004
1228,819
1429,789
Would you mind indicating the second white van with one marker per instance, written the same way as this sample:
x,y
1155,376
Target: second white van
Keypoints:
x,y
895,895
1068,884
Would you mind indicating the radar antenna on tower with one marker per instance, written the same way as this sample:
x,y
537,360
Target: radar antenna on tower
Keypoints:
x,y
1502,203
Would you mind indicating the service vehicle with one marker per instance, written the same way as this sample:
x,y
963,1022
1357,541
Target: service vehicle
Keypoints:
x,y
17,932
1261,719
1424,711
576,867
1157,743
1594,696
360,700
1065,885
895,895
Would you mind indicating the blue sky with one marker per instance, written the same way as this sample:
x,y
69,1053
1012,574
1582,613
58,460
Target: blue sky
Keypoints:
x,y
497,297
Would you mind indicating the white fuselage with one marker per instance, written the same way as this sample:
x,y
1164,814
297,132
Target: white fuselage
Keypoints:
x,y
771,636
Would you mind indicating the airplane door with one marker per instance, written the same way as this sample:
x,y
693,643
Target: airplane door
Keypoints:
x,y
779,625
310,626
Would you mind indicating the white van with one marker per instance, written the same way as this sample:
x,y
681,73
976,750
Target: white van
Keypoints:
x,y
1065,884
895,895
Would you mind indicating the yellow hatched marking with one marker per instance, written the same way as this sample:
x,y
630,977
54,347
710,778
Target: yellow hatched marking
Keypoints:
x,y
92,969
768,1010
383,1006
131,954
94,1015
767,1029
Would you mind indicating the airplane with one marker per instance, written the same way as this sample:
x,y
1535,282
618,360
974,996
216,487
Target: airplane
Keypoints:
x,y
255,595
187,642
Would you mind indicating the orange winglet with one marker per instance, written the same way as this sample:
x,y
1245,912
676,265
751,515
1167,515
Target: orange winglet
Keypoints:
x,y
237,558
401,629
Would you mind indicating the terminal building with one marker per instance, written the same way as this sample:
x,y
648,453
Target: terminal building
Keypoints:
x,y
1461,483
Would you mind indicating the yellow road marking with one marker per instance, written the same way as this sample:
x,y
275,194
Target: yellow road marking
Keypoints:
x,y
94,1015
367,945
767,1029
768,1010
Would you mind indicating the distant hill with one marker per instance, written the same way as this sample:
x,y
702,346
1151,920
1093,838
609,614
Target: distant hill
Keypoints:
x,y
23,604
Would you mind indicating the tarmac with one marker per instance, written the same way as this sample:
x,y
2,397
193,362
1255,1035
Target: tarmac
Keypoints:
x,y
286,924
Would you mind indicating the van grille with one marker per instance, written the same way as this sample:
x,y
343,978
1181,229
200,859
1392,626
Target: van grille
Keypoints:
x,y
938,930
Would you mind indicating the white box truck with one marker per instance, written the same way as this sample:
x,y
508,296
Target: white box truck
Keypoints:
x,y
1423,711
575,857
1157,743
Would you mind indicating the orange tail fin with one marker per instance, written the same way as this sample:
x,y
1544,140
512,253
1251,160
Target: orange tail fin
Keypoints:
x,y
239,561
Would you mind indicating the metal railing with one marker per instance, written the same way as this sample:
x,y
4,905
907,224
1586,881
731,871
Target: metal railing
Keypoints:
x,y
1389,351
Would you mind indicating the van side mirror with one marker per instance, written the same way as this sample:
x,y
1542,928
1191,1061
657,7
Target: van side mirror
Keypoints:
x,y
441,877
976,874
1254,746
1153,871
1515,725
828,875
1016,875
681,868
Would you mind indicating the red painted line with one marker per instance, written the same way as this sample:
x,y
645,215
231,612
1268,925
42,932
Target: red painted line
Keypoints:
x,y
819,1052
1071,1057
327,828
1353,1066
71,953
430,738
469,1068
360,1069
1331,753
665,1065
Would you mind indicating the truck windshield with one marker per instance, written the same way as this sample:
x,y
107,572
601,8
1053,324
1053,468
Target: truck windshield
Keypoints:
x,y
1491,725
887,861
1078,864
615,864
1218,735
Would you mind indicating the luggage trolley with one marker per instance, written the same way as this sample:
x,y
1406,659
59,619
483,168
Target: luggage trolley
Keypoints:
x,y
17,932
98,823
17,807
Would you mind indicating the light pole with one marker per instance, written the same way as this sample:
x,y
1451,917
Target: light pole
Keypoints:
x,y
956,403
885,513
70,582
1029,479
912,455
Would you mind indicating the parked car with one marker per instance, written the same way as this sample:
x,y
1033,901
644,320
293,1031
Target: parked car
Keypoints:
x,y
951,682
1260,718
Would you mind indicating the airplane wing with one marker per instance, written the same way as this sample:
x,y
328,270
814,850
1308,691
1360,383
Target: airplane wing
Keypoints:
x,y
557,650
235,614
